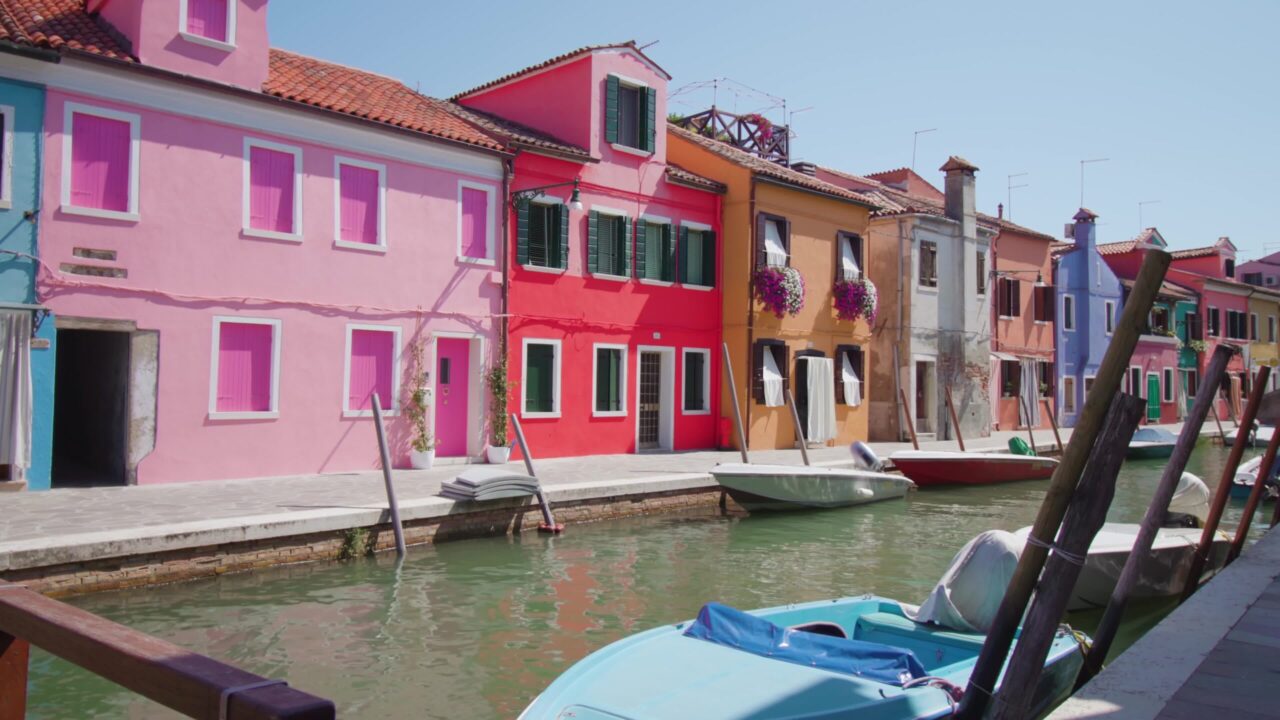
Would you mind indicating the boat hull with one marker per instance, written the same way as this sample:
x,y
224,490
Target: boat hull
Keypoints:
x,y
1257,439
1149,451
934,469
790,487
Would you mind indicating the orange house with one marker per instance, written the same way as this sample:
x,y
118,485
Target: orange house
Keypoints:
x,y
1023,312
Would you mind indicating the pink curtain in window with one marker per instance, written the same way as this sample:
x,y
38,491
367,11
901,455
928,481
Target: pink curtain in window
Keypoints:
x,y
475,225
270,190
358,212
372,352
99,162
244,367
207,18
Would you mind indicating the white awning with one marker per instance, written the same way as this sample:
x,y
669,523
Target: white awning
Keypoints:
x,y
1004,356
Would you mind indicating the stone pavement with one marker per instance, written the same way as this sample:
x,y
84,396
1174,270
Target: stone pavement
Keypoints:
x,y
76,525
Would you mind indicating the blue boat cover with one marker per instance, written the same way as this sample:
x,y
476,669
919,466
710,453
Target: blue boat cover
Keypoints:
x,y
1154,434
734,628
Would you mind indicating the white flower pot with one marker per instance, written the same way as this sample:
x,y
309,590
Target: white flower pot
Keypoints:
x,y
497,454
422,460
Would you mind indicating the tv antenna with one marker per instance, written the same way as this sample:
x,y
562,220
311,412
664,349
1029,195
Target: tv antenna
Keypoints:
x,y
1082,164
1142,227
915,138
1008,206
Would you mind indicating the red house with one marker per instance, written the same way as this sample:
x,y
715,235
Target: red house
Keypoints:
x,y
613,299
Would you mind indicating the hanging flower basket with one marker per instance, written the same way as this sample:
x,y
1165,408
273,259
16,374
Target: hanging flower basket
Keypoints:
x,y
855,299
781,289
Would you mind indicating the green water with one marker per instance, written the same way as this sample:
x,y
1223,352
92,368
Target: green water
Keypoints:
x,y
477,628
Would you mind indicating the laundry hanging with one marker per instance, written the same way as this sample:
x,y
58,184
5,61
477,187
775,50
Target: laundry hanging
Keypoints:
x,y
852,383
822,399
15,390
772,381
1030,393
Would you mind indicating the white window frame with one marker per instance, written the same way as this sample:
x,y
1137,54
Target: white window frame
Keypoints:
x,y
6,156
69,111
1166,384
549,201
1068,312
226,46
489,258
616,213
245,229
215,348
702,228
706,380
381,245
1109,317
643,87
622,378
1069,398
347,411
555,377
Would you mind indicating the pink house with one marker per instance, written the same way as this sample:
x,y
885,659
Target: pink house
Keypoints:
x,y
242,245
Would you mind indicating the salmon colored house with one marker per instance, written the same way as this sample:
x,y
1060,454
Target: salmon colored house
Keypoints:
x,y
612,293
777,218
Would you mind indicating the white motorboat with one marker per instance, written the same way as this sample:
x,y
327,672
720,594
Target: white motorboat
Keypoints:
x,y
1258,437
788,487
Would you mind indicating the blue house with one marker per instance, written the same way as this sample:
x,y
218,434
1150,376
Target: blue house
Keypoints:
x,y
1088,306
26,332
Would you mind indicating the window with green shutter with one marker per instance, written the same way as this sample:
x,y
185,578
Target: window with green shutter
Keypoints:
x,y
697,257
540,378
655,252
630,114
695,381
610,379
609,244
541,235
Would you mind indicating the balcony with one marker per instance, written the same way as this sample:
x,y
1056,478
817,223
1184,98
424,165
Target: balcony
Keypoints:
x,y
751,132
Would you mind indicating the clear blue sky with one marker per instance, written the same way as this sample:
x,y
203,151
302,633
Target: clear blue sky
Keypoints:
x,y
1183,97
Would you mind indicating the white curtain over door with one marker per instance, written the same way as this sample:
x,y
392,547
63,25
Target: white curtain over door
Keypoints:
x,y
1030,392
772,380
15,390
822,399
852,383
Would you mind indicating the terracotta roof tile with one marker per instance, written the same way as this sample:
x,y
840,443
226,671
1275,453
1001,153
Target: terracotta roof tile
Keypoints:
x,y
520,135
55,24
677,174
1010,225
1195,252
631,44
1117,248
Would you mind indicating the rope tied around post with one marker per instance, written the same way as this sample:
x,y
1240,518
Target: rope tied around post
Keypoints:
x,y
1070,557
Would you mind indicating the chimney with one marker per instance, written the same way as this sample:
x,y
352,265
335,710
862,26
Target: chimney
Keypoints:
x,y
959,192
807,168
1085,228
1000,211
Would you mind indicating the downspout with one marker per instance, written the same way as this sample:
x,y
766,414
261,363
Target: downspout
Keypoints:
x,y
751,314
897,371
508,172
718,224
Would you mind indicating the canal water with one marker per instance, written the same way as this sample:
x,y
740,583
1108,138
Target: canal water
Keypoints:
x,y
477,628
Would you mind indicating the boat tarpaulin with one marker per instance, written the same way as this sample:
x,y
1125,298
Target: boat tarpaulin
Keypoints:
x,y
772,381
821,399
734,628
852,383
969,593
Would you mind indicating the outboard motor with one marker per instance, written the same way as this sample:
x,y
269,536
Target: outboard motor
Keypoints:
x,y
865,458
969,594
1190,503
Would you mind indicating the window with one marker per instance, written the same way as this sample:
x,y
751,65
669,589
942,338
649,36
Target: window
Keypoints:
x,y
631,110
982,272
1236,325
1042,298
542,235
1166,394
697,255
773,241
209,22
1252,278
1068,312
372,367
849,261
1135,382
1253,326
609,244
928,263
1010,378
272,190
1009,297
1069,395
1212,320
1046,378
475,223
1109,316
1088,385
360,204
1270,280
1271,328
100,162
1229,267
245,369
1193,383
850,373
1158,320
770,373
1193,326
6,156
541,378
609,381
1152,376
697,382
655,250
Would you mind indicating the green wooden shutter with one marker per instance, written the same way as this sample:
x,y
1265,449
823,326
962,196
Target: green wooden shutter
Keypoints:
x,y
651,116
562,211
642,245
708,259
593,241
625,270
684,254
522,233
611,110
606,244
668,255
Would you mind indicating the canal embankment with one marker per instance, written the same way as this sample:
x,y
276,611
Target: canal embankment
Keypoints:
x,y
76,541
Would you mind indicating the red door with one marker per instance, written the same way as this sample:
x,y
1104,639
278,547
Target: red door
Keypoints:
x,y
453,361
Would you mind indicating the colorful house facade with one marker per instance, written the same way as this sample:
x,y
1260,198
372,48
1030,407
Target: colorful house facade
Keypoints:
x,y
245,245
613,295
1263,350
779,223
1023,311
26,331
1263,272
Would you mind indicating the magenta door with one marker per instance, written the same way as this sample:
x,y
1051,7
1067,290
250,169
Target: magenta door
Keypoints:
x,y
453,360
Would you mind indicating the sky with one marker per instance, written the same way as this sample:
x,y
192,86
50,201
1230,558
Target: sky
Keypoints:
x,y
1181,98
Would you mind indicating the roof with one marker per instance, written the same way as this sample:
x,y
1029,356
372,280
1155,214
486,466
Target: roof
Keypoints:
x,y
1010,225
1195,252
1167,289
759,166
677,174
571,55
520,135
1117,248
1085,214
58,24
908,181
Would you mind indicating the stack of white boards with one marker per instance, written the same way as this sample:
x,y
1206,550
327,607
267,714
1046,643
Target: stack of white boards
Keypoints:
x,y
488,483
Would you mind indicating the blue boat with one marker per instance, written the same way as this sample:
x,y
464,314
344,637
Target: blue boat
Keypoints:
x,y
859,657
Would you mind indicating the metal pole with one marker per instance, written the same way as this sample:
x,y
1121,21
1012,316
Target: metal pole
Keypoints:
x,y
737,411
795,417
386,477
1255,496
549,523
955,422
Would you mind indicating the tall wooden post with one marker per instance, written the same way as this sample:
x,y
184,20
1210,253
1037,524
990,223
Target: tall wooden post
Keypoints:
x,y
906,413
1062,486
1222,434
955,422
1031,436
1255,496
737,410
1110,623
14,661
1053,423
795,418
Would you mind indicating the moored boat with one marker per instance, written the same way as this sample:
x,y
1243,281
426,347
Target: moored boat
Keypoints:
x,y
1150,443
1259,436
1247,474
936,467
788,487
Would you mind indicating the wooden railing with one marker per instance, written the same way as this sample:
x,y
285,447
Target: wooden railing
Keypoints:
x,y
191,684
752,133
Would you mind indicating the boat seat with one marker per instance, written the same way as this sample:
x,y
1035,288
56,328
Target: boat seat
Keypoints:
x,y
893,629
829,629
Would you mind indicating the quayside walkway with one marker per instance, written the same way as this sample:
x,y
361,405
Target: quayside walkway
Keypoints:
x,y
57,540
1216,656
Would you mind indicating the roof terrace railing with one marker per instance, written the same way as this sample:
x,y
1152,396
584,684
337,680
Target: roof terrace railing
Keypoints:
x,y
751,132
192,684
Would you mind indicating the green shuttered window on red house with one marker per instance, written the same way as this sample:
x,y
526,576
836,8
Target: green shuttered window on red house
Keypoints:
x,y
542,235
539,377
697,257
608,244
630,114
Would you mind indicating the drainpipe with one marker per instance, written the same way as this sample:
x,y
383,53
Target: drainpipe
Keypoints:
x,y
508,172
902,281
751,315
718,223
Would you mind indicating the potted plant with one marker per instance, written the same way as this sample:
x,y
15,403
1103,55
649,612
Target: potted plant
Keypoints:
x,y
856,298
780,289
422,450
499,450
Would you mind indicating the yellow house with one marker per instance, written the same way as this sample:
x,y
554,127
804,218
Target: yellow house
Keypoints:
x,y
1264,315
775,218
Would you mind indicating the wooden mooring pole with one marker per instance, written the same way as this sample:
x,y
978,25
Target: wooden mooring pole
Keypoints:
x,y
15,659
1154,518
1222,434
737,410
906,413
1087,514
1260,484
1061,487
396,527
1053,423
1026,409
548,524
955,421
795,417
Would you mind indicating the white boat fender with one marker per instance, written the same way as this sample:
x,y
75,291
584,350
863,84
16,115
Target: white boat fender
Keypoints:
x,y
864,457
970,591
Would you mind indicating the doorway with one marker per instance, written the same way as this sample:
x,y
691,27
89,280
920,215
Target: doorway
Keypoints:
x,y
1153,397
453,393
91,408
655,406
926,396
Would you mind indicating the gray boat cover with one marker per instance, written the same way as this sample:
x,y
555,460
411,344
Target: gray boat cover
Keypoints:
x,y
969,594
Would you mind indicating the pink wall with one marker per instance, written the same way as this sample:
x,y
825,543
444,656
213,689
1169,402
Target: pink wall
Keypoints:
x,y
188,243
1024,255
1153,356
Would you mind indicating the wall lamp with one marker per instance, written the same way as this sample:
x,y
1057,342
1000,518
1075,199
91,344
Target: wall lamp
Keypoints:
x,y
524,196
1009,273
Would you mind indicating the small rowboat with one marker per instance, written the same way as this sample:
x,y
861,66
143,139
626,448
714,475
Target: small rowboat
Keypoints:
x,y
789,487
936,467
1247,475
1258,437
1151,443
